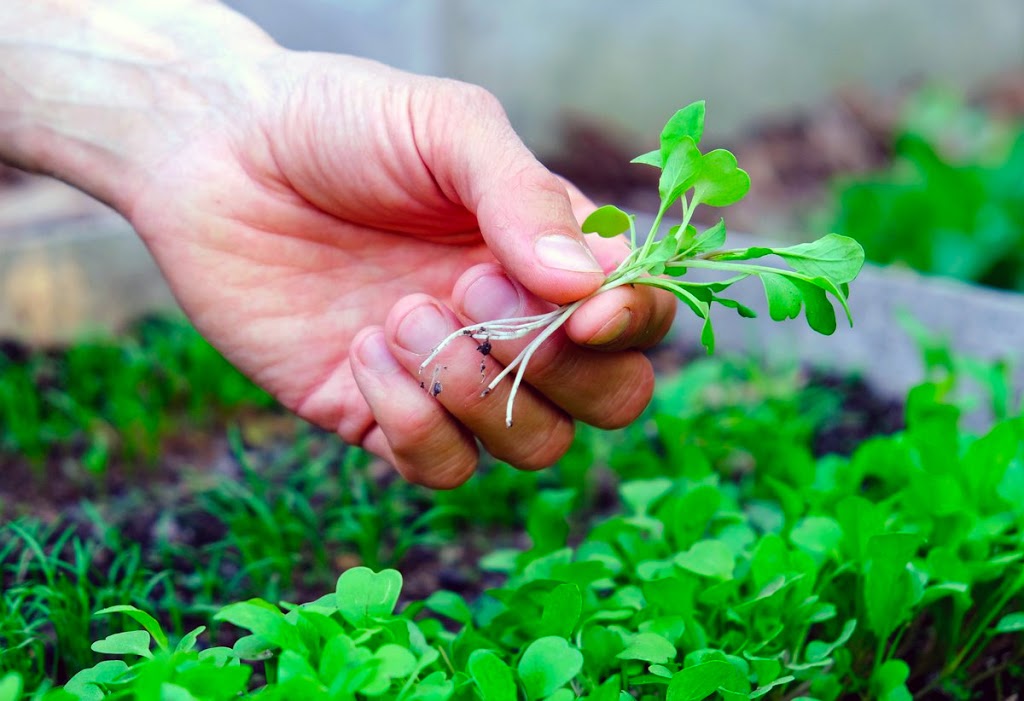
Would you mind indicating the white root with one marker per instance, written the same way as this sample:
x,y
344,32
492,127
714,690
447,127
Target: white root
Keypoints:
x,y
514,328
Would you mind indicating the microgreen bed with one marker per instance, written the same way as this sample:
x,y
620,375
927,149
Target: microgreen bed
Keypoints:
x,y
720,547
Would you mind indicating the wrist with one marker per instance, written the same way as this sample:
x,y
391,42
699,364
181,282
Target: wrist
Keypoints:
x,y
114,88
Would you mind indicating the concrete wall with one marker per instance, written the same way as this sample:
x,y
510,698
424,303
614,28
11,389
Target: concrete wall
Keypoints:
x,y
633,63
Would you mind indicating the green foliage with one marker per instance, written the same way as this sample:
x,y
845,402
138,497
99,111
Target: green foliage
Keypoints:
x,y
952,203
53,582
103,399
803,576
816,270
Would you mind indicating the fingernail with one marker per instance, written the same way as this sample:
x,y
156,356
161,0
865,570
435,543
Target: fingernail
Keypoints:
x,y
422,329
613,330
492,297
375,355
565,253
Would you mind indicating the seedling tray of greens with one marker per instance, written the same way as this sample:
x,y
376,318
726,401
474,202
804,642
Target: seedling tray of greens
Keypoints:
x,y
736,542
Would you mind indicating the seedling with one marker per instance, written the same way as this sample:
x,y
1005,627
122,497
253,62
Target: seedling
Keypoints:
x,y
816,270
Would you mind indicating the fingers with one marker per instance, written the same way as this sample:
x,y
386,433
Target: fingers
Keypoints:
x,y
523,210
425,445
540,433
602,389
631,316
426,422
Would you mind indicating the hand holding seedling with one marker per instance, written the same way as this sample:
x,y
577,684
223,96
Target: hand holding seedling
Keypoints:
x,y
826,266
327,221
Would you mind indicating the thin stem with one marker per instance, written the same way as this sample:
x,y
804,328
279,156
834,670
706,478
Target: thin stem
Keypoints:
x,y
740,267
507,330
645,249
530,350
986,621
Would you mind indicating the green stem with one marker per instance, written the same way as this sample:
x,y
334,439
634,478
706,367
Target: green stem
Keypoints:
x,y
983,626
646,248
739,267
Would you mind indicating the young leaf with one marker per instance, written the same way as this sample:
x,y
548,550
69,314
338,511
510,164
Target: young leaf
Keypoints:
x,y
707,335
10,687
265,621
143,618
648,647
819,312
890,590
784,297
561,611
889,682
687,122
741,309
818,650
1011,623
710,239
702,680
86,684
709,558
682,167
450,605
607,221
547,665
651,158
834,257
720,182
188,643
134,642
363,594
493,678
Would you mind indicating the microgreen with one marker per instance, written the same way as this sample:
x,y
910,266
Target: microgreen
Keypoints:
x,y
815,270
729,562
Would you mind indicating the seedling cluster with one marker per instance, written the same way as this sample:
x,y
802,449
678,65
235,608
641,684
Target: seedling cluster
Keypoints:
x,y
815,270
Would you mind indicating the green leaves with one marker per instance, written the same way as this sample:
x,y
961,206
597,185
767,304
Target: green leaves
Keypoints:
x,y
547,665
648,647
832,257
818,269
702,680
686,123
890,589
680,170
1011,623
607,221
493,678
135,642
363,594
708,558
721,182
147,621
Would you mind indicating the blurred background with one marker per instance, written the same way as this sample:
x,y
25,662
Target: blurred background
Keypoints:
x,y
897,123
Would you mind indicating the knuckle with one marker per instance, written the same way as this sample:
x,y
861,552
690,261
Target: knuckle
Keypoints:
x,y
627,402
541,448
447,473
435,459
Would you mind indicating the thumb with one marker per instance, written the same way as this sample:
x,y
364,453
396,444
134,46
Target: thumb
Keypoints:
x,y
522,209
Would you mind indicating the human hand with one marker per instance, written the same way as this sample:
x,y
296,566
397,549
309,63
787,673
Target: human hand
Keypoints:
x,y
325,221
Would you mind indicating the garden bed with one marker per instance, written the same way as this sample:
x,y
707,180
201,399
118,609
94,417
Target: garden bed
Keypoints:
x,y
819,523
275,510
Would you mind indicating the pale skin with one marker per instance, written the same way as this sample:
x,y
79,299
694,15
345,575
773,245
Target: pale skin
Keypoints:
x,y
326,220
